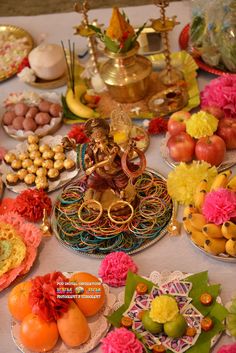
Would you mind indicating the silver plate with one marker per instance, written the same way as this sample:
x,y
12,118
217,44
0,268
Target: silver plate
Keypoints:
x,y
102,255
220,257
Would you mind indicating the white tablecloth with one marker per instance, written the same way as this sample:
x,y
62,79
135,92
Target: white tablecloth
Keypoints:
x,y
170,253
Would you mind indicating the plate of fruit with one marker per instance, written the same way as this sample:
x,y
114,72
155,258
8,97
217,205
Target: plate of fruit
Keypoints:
x,y
171,311
38,162
210,220
205,135
60,312
28,112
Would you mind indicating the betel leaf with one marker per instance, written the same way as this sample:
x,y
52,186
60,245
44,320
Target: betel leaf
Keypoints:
x,y
131,283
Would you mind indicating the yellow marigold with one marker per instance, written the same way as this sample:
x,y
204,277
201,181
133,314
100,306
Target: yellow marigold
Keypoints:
x,y
118,26
201,124
163,309
183,180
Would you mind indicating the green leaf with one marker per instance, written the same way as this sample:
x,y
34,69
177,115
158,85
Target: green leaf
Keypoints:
x,y
111,44
95,29
140,30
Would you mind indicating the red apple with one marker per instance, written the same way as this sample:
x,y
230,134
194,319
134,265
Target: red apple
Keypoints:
x,y
227,131
217,112
181,147
210,149
176,122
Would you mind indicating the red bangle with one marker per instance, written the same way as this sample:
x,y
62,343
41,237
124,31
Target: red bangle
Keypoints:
x,y
142,166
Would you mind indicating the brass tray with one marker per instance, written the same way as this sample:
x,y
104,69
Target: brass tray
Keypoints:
x,y
96,252
17,33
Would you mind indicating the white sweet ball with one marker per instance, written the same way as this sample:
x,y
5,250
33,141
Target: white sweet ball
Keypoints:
x,y
47,61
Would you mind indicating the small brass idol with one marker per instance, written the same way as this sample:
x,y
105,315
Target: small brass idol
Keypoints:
x,y
45,226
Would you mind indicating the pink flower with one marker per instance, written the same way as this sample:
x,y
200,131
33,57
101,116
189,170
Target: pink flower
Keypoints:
x,y
114,268
229,348
221,93
121,341
219,206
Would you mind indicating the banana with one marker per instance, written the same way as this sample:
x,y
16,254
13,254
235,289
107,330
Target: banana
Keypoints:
x,y
230,247
198,237
211,230
228,229
197,220
187,225
232,184
221,180
188,210
200,193
215,246
76,106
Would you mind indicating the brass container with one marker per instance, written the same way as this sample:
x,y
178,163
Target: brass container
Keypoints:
x,y
126,75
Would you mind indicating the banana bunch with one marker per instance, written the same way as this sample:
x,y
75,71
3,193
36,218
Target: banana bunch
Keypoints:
x,y
74,109
215,239
231,318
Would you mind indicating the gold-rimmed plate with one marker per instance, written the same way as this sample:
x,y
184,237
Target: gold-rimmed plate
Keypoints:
x,y
15,43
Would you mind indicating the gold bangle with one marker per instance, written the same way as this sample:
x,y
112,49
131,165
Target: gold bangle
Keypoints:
x,y
85,203
117,203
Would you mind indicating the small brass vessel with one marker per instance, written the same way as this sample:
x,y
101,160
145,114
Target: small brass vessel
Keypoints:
x,y
126,75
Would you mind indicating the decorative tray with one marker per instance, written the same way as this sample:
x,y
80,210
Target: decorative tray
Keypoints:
x,y
15,43
184,45
182,61
65,176
186,290
45,84
229,161
97,240
98,325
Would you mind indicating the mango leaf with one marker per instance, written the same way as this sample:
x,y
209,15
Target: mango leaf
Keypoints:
x,y
111,44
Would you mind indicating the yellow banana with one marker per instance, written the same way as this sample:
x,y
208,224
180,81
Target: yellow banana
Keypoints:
x,y
228,230
199,199
221,180
76,106
232,184
215,246
188,210
187,226
230,247
211,230
197,220
198,237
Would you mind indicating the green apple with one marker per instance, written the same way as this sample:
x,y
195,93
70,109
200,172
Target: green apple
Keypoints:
x,y
176,327
149,324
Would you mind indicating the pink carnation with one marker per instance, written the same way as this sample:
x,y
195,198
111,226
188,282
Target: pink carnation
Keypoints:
x,y
219,206
114,268
229,348
221,93
121,340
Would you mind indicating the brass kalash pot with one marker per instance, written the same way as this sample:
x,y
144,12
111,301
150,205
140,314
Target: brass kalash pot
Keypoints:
x,y
126,75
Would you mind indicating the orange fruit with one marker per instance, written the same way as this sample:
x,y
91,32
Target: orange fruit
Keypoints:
x,y
18,300
38,335
90,292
